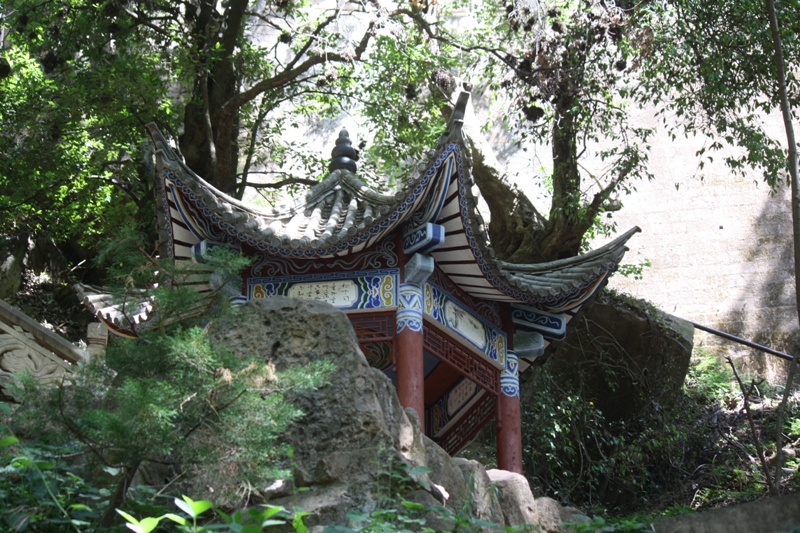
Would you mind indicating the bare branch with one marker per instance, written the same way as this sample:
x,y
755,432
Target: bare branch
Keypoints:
x,y
144,21
282,183
311,39
292,73
264,19
773,489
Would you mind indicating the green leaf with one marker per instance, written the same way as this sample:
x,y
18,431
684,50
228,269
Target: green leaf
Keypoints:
x,y
186,507
298,524
80,507
145,525
412,505
177,519
193,508
8,441
127,517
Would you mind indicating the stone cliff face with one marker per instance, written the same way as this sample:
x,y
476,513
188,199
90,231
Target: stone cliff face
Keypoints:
x,y
355,432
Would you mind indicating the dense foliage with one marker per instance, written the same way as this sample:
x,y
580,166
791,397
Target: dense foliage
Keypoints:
x,y
171,401
227,82
710,69
698,454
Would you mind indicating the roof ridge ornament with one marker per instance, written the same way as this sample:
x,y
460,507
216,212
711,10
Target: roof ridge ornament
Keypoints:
x,y
343,155
455,126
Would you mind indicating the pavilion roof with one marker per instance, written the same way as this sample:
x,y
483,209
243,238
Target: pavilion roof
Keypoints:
x,y
342,215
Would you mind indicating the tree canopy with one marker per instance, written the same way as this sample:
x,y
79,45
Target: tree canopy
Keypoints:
x,y
230,81
227,80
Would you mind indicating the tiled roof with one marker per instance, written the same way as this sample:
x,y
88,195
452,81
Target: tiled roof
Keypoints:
x,y
335,211
119,312
342,215
566,274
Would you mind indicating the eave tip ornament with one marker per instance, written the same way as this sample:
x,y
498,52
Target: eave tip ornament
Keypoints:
x,y
343,156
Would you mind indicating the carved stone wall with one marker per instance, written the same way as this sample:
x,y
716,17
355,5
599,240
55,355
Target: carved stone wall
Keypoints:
x,y
25,346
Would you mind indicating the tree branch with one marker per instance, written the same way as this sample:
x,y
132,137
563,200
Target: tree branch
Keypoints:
x,y
282,183
756,441
292,73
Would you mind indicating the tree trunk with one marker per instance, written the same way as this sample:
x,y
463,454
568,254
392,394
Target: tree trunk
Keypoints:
x,y
795,187
118,498
518,233
210,138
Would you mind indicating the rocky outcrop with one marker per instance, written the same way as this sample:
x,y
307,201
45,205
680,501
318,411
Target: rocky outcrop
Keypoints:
x,y
624,355
355,434
762,516
519,507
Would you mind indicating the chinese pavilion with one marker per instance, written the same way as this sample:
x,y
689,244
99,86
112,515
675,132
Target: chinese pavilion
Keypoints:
x,y
413,270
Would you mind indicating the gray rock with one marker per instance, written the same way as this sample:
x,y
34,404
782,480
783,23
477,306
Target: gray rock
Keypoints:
x,y
354,431
650,351
520,508
762,516
514,495
483,501
549,515
446,473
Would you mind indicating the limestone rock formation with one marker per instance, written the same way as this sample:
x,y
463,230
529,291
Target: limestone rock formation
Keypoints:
x,y
354,431
647,351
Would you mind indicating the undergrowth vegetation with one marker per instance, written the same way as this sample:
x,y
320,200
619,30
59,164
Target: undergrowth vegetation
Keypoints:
x,y
698,454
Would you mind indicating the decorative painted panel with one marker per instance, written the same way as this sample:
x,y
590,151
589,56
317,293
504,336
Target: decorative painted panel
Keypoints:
x,y
409,314
529,319
487,309
345,290
378,354
448,311
423,239
509,377
450,405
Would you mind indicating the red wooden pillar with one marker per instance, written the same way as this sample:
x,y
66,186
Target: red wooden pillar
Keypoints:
x,y
509,412
408,357
509,418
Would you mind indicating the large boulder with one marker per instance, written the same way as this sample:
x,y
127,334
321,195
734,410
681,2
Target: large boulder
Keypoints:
x,y
624,355
353,428
520,508
354,437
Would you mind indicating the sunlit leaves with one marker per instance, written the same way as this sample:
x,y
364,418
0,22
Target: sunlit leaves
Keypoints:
x,y
711,65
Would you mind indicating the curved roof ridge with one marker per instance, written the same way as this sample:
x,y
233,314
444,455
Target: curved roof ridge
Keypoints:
x,y
354,185
612,250
171,160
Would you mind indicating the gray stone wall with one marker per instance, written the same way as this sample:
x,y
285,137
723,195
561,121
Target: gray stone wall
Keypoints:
x,y
721,251
720,245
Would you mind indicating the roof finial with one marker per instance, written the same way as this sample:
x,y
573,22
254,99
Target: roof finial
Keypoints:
x,y
343,156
